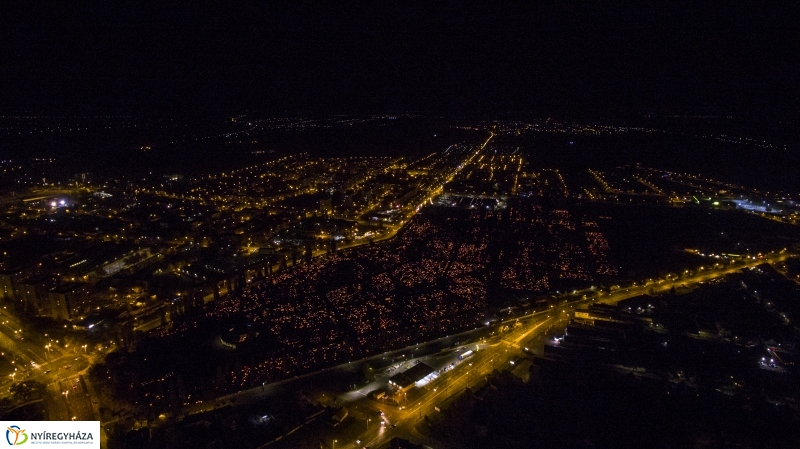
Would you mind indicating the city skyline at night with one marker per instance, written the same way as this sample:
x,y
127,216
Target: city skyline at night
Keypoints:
x,y
405,226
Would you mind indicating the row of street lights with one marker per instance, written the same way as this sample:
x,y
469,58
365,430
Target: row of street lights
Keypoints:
x,y
49,348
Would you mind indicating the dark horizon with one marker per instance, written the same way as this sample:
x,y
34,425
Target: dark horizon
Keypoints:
x,y
565,61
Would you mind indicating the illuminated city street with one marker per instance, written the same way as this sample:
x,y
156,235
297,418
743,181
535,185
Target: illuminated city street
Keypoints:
x,y
425,225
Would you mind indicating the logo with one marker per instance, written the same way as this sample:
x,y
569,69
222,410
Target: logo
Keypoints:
x,y
51,434
16,432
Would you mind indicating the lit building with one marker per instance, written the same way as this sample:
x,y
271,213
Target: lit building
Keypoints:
x,y
326,206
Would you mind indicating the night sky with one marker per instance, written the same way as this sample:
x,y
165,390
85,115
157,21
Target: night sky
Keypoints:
x,y
566,60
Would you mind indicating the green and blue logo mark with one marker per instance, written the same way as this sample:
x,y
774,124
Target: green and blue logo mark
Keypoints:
x,y
17,432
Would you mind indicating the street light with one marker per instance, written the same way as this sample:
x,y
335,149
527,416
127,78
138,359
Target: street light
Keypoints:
x,y
334,444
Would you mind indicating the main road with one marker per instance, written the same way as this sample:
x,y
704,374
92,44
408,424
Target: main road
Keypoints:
x,y
493,353
496,354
